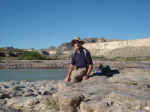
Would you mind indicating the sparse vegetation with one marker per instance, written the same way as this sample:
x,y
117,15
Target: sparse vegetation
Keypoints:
x,y
52,104
123,58
2,49
131,59
0,59
99,57
137,58
32,56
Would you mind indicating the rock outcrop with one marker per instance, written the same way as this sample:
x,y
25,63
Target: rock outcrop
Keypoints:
x,y
49,64
66,48
126,48
29,64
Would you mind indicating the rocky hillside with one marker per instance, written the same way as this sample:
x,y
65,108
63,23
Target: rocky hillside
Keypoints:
x,y
126,48
67,46
111,48
97,39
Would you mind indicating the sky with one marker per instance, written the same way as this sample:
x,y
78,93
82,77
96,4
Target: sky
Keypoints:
x,y
43,23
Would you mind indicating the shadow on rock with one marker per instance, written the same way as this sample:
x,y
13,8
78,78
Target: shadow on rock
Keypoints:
x,y
107,73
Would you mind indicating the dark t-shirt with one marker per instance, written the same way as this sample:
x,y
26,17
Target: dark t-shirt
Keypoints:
x,y
81,59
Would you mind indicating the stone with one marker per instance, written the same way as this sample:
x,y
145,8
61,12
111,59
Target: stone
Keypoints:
x,y
3,101
18,88
16,93
47,93
68,101
4,95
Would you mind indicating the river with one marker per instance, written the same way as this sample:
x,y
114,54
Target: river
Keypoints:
x,y
32,74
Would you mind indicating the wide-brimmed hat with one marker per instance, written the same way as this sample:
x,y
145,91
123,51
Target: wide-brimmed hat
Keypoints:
x,y
77,40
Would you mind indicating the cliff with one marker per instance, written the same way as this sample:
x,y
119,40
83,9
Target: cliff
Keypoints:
x,y
110,48
66,48
125,48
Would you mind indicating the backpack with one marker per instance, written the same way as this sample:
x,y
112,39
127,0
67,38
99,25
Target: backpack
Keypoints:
x,y
106,69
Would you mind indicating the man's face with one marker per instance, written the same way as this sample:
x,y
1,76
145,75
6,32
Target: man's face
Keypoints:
x,y
77,45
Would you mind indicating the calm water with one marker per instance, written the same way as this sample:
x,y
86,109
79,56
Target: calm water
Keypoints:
x,y
33,74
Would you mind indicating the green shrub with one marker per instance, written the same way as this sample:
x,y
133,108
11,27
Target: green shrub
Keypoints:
x,y
117,58
2,49
32,56
19,50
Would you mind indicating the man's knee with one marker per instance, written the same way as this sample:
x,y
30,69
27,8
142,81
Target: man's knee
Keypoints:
x,y
76,79
77,75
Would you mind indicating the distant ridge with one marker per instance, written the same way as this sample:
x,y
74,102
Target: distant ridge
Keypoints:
x,y
109,48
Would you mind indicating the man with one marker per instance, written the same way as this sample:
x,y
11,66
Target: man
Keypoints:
x,y
81,62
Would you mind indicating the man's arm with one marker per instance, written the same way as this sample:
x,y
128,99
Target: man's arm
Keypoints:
x,y
88,72
90,65
70,68
89,69
69,72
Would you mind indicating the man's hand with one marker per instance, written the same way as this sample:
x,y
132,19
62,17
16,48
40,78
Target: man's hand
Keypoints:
x,y
69,73
67,79
85,77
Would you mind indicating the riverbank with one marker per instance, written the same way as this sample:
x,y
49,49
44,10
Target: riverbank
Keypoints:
x,y
125,91
50,64
33,64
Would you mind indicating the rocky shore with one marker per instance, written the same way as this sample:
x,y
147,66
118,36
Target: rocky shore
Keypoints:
x,y
127,90
30,64
50,64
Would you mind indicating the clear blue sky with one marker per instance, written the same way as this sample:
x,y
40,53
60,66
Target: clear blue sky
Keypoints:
x,y
43,23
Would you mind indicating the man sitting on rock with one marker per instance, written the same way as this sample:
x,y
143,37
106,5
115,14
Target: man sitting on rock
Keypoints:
x,y
81,62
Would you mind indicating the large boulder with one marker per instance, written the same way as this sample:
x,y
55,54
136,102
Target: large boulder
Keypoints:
x,y
68,98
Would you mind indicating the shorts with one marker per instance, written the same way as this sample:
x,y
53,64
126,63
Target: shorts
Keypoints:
x,y
77,74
